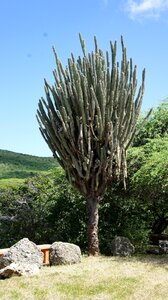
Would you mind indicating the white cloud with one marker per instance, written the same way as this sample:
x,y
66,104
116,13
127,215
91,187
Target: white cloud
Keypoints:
x,y
146,8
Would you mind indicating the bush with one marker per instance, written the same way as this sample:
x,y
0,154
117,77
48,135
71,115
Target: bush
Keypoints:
x,y
47,209
24,211
156,125
121,215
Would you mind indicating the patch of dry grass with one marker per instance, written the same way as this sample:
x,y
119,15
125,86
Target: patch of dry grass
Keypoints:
x,y
106,278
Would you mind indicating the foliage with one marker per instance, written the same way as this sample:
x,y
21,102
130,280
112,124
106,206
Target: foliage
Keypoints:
x,y
11,183
67,219
152,178
155,126
148,169
123,215
137,156
24,211
47,209
150,182
44,209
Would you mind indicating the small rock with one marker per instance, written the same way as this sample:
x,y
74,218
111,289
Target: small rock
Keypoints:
x,y
163,247
16,269
121,246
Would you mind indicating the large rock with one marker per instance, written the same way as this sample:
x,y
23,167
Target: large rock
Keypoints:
x,y
16,269
163,247
23,252
64,253
121,246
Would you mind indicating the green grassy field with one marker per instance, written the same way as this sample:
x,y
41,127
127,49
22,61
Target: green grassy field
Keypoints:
x,y
16,167
95,278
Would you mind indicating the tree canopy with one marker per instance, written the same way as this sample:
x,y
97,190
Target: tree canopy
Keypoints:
x,y
88,120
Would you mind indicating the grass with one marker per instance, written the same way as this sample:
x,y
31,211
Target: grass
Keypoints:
x,y
96,278
16,167
11,183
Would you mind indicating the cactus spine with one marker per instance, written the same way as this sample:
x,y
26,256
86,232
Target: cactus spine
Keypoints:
x,y
88,120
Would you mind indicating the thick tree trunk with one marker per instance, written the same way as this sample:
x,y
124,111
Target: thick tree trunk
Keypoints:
x,y
93,240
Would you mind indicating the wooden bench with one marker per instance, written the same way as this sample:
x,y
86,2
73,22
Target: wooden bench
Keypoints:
x,y
44,248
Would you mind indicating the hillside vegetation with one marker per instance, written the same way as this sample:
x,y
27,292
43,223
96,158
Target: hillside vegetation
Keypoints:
x,y
15,167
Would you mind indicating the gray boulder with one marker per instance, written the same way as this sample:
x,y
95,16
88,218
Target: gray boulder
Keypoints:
x,y
23,252
121,246
163,247
64,253
16,269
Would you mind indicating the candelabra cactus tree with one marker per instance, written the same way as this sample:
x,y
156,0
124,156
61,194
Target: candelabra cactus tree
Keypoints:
x,y
88,120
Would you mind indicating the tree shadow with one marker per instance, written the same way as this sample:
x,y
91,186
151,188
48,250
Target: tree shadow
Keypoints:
x,y
152,259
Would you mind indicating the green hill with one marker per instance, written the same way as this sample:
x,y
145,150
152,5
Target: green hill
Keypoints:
x,y
15,167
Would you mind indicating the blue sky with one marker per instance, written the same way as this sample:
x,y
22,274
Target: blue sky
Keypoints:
x,y
29,29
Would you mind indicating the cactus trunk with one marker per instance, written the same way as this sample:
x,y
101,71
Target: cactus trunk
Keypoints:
x,y
92,230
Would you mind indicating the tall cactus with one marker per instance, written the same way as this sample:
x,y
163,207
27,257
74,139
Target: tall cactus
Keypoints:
x,y
88,120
